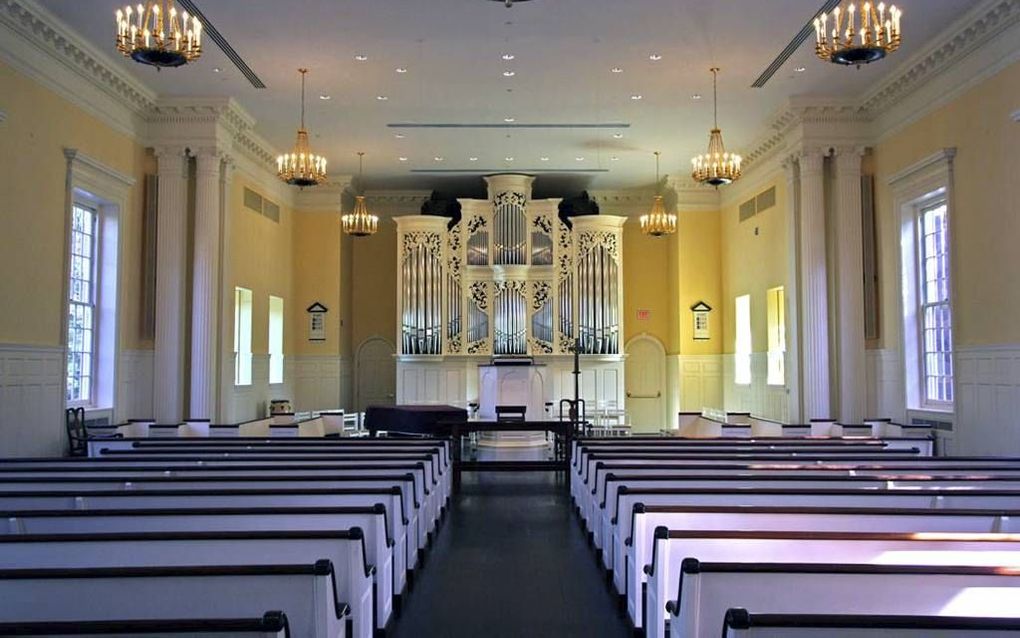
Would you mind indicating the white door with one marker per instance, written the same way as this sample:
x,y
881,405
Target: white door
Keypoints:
x,y
376,374
645,379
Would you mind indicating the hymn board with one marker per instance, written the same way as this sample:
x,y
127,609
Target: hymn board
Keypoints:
x,y
511,277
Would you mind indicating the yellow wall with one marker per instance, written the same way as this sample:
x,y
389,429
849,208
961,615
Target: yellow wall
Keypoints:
x,y
40,124
260,256
752,263
646,283
374,283
316,279
985,214
698,246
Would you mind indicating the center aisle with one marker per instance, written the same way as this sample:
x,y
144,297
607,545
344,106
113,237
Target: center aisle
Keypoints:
x,y
510,560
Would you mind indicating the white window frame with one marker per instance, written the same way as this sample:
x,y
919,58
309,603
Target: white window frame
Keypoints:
x,y
926,401
105,190
91,304
742,352
913,189
276,341
243,311
776,364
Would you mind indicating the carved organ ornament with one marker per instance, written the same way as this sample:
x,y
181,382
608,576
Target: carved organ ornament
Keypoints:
x,y
509,278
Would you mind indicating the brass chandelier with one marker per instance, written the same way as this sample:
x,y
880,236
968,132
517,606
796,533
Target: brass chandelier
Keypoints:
x,y
359,222
842,42
301,167
155,34
658,222
716,167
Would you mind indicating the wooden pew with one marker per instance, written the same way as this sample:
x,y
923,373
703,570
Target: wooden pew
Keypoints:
x,y
306,593
739,623
708,589
272,624
672,547
406,551
634,536
344,549
371,520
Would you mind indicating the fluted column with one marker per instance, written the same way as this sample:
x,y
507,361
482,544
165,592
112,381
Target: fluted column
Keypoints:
x,y
813,293
171,236
225,411
205,285
850,286
793,342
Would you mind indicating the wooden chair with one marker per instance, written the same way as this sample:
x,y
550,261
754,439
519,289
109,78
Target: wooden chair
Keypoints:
x,y
77,435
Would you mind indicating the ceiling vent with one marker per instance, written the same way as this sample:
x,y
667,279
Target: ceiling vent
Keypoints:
x,y
259,204
757,204
784,55
213,34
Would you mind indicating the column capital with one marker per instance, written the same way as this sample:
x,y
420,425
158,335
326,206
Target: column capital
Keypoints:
x,y
811,160
169,150
848,157
207,161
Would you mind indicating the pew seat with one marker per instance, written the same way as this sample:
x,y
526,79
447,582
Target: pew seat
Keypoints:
x,y
272,624
306,593
739,623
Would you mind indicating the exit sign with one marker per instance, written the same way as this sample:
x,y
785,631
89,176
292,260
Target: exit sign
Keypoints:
x,y
644,315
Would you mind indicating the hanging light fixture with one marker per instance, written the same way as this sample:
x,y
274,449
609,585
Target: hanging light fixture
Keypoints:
x,y
155,34
658,222
716,167
842,42
301,167
359,222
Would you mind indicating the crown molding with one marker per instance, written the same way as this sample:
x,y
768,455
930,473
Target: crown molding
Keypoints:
x,y
979,45
41,46
416,197
324,198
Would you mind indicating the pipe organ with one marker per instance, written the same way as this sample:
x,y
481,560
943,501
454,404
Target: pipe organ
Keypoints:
x,y
509,278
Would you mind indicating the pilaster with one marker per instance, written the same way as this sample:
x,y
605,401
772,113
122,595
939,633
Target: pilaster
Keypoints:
x,y
813,292
793,341
205,284
171,232
849,322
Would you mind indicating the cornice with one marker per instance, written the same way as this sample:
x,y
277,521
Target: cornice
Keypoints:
x,y
328,197
417,197
70,66
982,23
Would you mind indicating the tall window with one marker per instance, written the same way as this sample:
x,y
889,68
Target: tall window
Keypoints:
x,y
742,347
934,313
275,339
81,320
776,319
242,336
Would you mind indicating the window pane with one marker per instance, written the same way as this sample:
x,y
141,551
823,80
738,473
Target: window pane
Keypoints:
x,y
936,316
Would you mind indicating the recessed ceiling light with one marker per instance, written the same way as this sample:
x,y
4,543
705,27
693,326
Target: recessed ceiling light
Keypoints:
x,y
325,97
696,96
472,159
616,69
543,159
402,159
509,74
617,136
800,69
636,96
509,56
438,158
399,136
509,159
508,119
381,98
361,57
216,69
579,158
400,69
614,159
655,57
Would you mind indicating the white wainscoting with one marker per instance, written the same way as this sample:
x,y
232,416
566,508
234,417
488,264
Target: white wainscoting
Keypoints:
x,y
249,402
134,384
988,400
760,399
321,382
439,382
884,377
700,382
31,405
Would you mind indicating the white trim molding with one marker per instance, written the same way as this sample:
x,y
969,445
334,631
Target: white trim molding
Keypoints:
x,y
987,400
928,178
31,400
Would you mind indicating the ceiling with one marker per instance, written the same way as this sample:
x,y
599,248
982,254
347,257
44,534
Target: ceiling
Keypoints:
x,y
563,51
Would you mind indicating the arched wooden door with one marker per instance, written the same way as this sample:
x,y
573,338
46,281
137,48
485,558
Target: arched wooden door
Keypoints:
x,y
375,373
645,378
